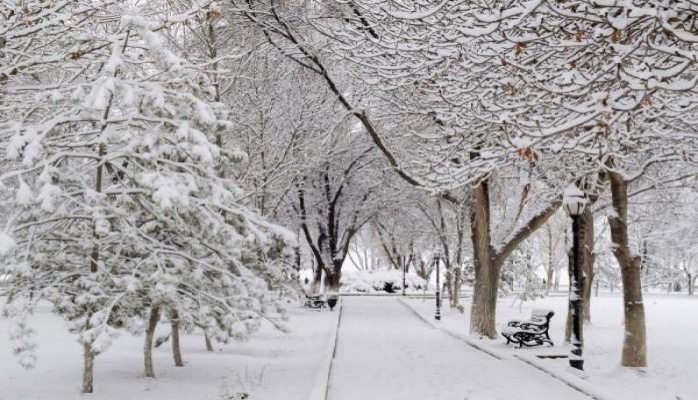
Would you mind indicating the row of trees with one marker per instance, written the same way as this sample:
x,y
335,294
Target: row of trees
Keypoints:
x,y
498,106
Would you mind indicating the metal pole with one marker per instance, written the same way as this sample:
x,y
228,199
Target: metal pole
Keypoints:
x,y
404,272
576,299
437,316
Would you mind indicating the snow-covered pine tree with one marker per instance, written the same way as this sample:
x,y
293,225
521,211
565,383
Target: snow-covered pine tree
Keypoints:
x,y
118,210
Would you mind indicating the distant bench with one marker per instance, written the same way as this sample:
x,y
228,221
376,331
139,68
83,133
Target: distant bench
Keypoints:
x,y
314,301
532,332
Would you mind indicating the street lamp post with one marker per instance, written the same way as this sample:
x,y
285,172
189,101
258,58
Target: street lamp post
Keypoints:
x,y
574,202
404,272
437,260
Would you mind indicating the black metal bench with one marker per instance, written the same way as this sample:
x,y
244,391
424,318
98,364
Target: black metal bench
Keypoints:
x,y
532,332
314,301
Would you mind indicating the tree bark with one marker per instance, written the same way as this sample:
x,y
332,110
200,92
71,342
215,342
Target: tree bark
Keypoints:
x,y
690,285
456,286
176,349
461,217
207,339
88,353
634,340
88,357
447,287
317,280
333,279
149,371
551,261
297,257
484,305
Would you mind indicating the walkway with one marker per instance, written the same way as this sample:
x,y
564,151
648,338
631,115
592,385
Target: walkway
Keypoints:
x,y
384,352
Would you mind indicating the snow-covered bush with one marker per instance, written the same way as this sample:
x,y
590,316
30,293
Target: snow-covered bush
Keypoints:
x,y
389,281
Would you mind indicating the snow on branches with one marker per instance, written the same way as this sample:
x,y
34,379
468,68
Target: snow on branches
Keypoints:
x,y
118,204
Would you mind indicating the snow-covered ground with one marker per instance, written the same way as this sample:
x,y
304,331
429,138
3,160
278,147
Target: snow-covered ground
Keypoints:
x,y
672,327
384,352
271,365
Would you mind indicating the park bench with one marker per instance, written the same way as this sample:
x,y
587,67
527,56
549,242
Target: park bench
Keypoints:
x,y
532,332
314,301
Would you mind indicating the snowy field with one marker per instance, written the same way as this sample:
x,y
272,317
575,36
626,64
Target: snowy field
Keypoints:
x,y
384,352
271,365
672,327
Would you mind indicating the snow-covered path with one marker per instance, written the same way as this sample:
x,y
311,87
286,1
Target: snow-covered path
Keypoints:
x,y
384,352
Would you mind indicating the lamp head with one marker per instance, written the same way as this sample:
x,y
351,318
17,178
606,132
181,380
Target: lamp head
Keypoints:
x,y
574,200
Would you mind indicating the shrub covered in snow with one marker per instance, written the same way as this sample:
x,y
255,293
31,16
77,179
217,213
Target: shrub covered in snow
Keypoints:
x,y
385,281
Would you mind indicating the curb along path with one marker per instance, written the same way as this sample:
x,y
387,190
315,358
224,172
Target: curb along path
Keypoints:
x,y
383,352
321,386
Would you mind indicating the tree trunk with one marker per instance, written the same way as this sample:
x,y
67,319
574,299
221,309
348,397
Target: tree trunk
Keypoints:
x,y
484,305
456,286
596,290
333,279
207,339
690,285
176,349
88,357
88,353
148,343
551,261
448,287
297,258
317,279
459,267
634,340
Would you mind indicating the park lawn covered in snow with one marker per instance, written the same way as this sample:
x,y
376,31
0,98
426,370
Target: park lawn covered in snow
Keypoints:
x,y
672,326
271,365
